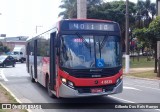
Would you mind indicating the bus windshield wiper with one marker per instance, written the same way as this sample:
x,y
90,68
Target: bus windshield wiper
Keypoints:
x,y
84,41
99,46
88,45
103,42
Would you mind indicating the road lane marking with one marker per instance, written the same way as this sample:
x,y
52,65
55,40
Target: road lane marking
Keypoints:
x,y
2,75
132,88
121,99
142,86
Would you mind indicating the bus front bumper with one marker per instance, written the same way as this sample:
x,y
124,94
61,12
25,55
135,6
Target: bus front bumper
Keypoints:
x,y
68,92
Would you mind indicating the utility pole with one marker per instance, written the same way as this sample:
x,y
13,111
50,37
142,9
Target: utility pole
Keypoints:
x,y
81,9
127,57
158,41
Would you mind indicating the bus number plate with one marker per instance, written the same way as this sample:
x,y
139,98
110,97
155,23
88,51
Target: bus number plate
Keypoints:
x,y
96,90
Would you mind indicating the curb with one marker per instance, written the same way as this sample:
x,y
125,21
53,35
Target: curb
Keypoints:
x,y
142,78
13,95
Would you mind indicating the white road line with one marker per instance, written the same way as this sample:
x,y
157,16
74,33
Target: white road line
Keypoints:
x,y
121,99
2,75
142,86
132,88
157,109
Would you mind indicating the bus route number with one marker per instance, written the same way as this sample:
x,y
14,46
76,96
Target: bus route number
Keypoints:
x,y
106,81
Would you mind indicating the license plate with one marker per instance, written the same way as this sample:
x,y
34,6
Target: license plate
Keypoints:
x,y
96,90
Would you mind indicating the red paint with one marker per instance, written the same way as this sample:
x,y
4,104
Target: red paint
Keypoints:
x,y
95,20
91,81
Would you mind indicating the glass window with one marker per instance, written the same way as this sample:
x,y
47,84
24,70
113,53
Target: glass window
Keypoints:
x,y
42,47
89,51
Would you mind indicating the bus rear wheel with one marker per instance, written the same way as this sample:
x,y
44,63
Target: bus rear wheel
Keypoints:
x,y
4,66
21,61
32,79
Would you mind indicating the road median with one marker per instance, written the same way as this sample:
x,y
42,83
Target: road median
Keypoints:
x,y
145,73
7,97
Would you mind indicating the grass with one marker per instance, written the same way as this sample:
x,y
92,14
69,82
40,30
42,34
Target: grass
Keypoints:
x,y
6,97
147,74
142,63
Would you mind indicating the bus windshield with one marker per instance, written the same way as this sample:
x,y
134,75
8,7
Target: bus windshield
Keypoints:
x,y
90,51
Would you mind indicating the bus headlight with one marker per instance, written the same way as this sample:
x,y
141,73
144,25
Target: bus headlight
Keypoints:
x,y
70,84
64,80
67,82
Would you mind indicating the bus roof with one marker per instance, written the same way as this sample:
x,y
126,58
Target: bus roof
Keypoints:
x,y
91,20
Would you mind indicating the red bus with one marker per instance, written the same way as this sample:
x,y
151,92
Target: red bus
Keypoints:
x,y
77,58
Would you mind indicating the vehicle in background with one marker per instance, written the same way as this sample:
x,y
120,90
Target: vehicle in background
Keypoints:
x,y
19,53
6,60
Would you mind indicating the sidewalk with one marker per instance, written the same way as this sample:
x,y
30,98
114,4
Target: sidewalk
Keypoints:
x,y
139,70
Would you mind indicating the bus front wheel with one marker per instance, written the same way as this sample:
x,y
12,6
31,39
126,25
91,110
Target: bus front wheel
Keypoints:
x,y
48,89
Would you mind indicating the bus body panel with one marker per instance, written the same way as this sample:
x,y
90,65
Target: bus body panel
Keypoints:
x,y
91,81
68,92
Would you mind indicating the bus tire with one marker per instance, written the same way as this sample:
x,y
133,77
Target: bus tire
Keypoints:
x,y
13,65
32,79
21,61
4,65
48,89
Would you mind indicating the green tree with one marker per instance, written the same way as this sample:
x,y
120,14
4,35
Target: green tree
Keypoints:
x,y
70,7
154,28
144,10
150,35
3,48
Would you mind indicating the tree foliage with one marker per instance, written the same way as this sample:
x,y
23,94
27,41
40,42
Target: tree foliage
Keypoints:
x,y
70,7
149,35
145,13
3,48
154,27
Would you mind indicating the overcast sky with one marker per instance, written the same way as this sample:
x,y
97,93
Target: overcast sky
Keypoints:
x,y
20,17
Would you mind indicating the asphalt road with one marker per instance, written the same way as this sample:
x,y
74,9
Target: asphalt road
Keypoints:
x,y
17,80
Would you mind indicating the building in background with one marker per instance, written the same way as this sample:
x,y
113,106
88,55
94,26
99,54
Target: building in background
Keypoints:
x,y
10,42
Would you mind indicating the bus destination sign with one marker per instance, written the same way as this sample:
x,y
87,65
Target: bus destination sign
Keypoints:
x,y
92,26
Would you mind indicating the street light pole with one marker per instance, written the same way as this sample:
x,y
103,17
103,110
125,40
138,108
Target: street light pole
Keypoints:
x,y
37,28
127,57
